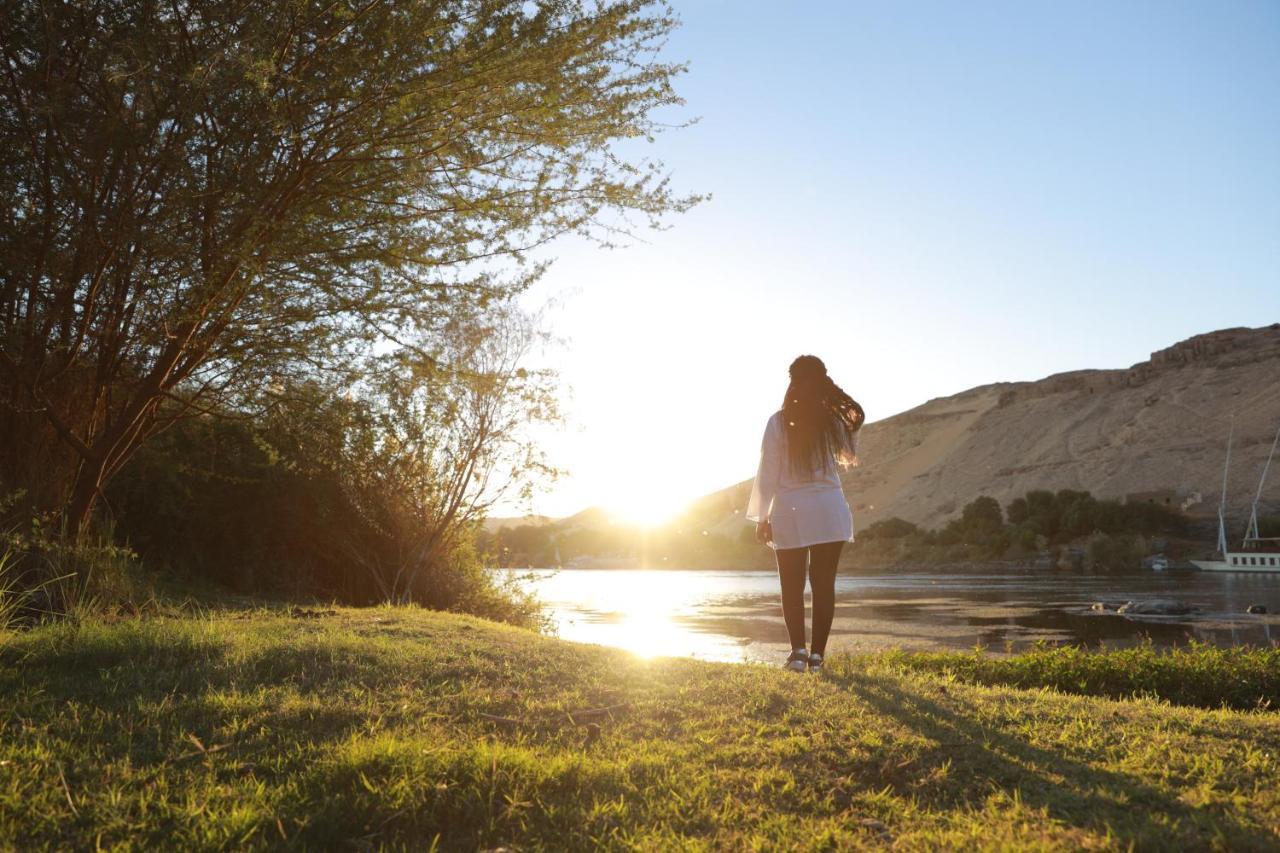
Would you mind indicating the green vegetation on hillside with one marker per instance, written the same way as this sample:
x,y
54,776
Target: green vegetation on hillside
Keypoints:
x,y
1105,534
407,728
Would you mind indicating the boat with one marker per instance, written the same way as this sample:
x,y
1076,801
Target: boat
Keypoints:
x,y
1257,553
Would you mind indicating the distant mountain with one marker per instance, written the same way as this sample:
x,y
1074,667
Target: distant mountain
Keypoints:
x,y
495,524
1156,431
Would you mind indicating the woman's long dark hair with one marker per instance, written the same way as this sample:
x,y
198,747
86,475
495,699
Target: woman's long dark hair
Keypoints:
x,y
820,417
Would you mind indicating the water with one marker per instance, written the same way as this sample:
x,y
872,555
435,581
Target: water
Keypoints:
x,y
735,615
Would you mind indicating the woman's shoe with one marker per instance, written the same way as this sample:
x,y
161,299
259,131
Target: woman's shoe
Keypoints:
x,y
798,661
815,662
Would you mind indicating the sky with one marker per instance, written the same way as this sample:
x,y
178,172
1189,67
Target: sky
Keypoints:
x,y
929,197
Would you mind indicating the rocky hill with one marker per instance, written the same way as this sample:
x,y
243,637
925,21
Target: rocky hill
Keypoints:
x,y
1155,431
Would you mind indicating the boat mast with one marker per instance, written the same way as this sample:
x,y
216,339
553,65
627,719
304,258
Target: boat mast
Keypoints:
x,y
1222,504
1252,533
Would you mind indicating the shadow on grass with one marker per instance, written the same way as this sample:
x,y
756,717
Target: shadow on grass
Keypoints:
x,y
1079,794
146,692
97,664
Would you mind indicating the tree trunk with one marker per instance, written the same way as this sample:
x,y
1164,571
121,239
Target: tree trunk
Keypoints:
x,y
84,496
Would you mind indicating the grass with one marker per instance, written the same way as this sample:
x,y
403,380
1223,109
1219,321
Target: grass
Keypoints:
x,y
401,728
1202,675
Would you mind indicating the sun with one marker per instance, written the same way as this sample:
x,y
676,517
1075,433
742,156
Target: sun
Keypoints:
x,y
644,506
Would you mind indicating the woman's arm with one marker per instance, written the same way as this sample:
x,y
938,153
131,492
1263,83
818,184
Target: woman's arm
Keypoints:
x,y
765,487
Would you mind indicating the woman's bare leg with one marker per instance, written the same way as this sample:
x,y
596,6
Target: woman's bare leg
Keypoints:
x,y
791,568
822,581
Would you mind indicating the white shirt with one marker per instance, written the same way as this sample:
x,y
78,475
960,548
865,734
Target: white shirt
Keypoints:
x,y
804,507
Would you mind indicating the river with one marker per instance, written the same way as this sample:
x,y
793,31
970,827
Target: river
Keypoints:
x,y
735,616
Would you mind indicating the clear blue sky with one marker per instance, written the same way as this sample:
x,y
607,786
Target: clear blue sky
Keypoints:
x,y
929,196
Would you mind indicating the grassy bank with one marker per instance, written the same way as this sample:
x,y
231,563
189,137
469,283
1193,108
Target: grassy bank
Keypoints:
x,y
1201,675
403,728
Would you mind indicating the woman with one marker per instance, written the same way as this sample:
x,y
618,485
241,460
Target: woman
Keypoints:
x,y
798,504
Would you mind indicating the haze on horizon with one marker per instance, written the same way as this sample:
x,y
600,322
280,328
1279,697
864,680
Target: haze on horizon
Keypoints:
x,y
929,197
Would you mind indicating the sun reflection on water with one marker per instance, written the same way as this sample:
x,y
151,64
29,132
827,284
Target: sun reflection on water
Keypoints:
x,y
649,613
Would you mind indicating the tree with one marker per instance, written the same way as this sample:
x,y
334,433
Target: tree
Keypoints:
x,y
425,450
1018,511
982,515
203,200
889,528
981,522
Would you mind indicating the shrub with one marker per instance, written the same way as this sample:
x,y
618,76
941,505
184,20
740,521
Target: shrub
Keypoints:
x,y
365,494
44,576
1113,553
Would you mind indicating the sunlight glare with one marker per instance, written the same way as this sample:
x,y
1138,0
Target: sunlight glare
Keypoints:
x,y
645,504
650,613
646,627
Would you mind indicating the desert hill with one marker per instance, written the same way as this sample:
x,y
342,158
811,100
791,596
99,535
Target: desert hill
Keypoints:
x,y
495,523
1155,431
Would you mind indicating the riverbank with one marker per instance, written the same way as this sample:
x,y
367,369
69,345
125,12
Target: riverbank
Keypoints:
x,y
319,727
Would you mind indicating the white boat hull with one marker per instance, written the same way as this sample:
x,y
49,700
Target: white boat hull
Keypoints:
x,y
1266,563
